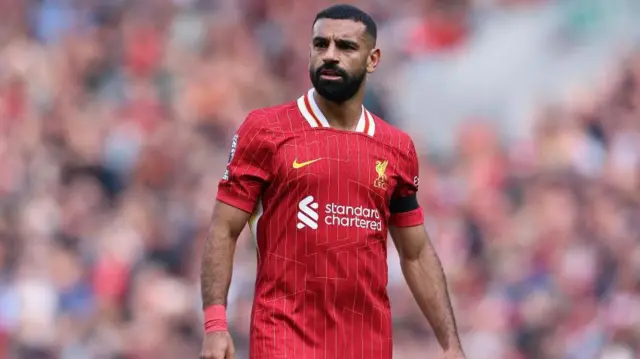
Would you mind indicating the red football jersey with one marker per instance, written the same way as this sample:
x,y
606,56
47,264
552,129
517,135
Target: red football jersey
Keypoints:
x,y
320,199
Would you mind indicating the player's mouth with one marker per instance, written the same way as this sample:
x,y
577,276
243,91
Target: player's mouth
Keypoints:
x,y
331,75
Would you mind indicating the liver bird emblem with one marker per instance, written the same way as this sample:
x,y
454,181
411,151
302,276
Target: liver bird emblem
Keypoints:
x,y
381,169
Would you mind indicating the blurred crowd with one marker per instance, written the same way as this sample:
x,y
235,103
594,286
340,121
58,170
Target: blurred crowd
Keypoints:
x,y
115,121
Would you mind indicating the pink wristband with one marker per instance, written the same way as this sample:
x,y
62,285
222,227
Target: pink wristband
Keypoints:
x,y
215,319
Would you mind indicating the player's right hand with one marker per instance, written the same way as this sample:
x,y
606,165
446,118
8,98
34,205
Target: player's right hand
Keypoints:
x,y
218,345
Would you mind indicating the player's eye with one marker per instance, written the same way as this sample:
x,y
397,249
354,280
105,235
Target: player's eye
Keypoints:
x,y
347,46
320,44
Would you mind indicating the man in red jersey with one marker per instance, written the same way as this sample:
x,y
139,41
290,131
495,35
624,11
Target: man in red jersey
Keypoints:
x,y
321,181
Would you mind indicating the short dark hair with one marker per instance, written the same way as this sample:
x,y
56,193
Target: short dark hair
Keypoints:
x,y
349,12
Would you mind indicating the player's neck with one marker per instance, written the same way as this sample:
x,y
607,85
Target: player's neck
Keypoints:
x,y
342,116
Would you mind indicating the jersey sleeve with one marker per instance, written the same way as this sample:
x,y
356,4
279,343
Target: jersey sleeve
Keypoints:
x,y
404,207
249,167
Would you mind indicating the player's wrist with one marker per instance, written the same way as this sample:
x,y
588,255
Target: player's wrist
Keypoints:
x,y
215,319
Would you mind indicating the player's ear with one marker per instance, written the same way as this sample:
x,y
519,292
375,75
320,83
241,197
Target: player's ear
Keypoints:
x,y
373,60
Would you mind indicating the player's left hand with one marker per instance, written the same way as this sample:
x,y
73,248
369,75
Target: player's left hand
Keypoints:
x,y
456,353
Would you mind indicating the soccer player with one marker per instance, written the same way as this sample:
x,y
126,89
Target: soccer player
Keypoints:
x,y
321,181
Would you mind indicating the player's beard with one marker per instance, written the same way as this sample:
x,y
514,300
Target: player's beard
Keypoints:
x,y
335,90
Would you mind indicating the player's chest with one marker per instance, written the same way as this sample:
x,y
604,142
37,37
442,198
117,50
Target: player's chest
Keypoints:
x,y
340,162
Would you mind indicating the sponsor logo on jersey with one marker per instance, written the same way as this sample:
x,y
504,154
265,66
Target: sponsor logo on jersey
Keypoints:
x,y
234,144
335,214
308,213
381,169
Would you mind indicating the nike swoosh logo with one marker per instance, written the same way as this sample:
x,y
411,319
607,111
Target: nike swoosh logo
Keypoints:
x,y
297,164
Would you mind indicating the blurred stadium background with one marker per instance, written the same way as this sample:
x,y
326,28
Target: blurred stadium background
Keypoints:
x,y
115,121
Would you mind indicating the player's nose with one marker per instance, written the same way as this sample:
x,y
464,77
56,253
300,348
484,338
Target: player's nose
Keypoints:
x,y
331,55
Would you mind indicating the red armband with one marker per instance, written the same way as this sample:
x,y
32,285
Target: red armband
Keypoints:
x,y
215,319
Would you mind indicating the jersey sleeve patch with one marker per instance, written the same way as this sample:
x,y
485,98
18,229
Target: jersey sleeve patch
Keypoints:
x,y
234,145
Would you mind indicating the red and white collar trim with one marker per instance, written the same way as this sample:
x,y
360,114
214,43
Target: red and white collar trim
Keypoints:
x,y
311,112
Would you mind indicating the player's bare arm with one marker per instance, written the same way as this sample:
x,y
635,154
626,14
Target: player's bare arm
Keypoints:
x,y
426,280
226,225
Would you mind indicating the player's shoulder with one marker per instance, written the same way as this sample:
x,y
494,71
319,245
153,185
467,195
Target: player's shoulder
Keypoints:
x,y
391,135
273,113
272,117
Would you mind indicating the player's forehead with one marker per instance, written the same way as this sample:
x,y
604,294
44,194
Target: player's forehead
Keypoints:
x,y
339,29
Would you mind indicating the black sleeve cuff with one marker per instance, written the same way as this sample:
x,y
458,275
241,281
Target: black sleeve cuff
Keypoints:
x,y
403,204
